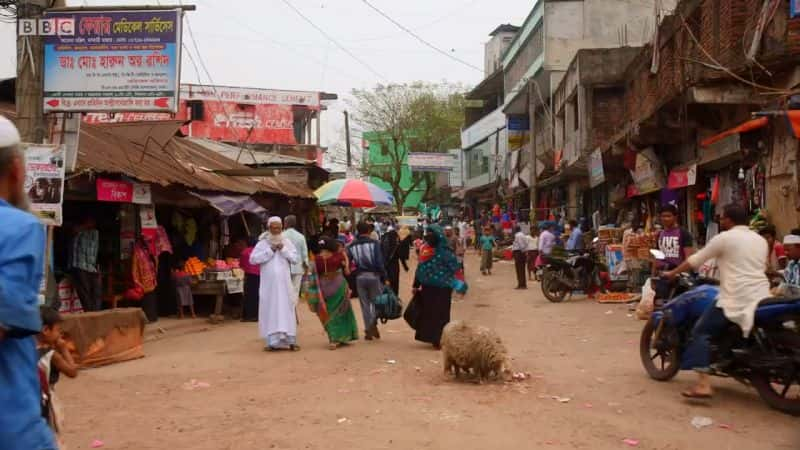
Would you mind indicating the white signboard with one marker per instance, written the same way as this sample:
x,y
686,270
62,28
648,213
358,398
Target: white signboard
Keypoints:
x,y
431,162
249,96
44,181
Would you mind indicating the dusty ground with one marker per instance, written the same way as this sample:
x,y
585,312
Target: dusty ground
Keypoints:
x,y
354,399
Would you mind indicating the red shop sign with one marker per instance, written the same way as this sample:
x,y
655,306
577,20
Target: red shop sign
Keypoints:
x,y
114,191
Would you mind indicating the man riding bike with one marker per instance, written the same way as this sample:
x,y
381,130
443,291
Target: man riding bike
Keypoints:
x,y
741,256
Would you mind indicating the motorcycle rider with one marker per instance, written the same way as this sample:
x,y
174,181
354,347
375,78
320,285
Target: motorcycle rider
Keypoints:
x,y
741,256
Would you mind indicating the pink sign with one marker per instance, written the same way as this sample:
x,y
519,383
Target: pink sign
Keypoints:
x,y
114,191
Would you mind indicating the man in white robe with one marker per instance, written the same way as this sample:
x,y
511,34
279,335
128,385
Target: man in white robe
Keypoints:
x,y
277,320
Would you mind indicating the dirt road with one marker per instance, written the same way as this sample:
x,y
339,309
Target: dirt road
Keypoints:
x,y
355,398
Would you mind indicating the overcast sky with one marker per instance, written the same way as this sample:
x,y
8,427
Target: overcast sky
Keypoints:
x,y
265,44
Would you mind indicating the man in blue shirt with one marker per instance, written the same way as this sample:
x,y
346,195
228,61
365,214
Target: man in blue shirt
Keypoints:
x,y
22,426
575,241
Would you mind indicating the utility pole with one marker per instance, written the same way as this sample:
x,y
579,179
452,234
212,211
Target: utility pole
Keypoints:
x,y
347,137
30,59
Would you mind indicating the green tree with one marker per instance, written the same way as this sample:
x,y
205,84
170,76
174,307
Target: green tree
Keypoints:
x,y
418,117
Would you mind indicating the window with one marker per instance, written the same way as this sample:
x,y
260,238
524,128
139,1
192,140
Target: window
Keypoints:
x,y
575,120
476,160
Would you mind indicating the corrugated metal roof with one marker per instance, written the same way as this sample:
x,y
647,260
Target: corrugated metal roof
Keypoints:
x,y
151,152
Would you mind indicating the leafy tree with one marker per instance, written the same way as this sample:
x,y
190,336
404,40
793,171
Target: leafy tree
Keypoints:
x,y
418,117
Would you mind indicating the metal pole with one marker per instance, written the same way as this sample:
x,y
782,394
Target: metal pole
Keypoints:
x,y
347,137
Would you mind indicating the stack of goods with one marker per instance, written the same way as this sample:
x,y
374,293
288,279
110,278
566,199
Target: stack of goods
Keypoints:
x,y
194,266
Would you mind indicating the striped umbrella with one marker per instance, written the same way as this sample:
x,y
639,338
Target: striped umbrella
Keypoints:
x,y
352,193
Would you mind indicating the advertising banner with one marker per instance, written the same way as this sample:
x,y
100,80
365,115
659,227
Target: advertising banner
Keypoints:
x,y
518,135
44,181
682,177
648,175
431,162
596,174
229,121
122,191
112,61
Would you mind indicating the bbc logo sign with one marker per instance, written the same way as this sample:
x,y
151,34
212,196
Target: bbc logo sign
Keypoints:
x,y
47,27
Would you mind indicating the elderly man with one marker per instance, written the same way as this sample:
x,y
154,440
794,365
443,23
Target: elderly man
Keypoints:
x,y
299,241
277,319
21,266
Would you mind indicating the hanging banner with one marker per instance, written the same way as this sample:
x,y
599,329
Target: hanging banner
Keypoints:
x,y
648,175
44,183
596,174
431,162
123,192
518,132
112,61
233,122
681,177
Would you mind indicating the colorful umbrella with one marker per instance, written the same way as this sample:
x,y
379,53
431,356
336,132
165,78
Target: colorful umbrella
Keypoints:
x,y
353,193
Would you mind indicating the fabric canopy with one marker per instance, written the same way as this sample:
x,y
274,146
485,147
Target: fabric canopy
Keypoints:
x,y
228,205
750,125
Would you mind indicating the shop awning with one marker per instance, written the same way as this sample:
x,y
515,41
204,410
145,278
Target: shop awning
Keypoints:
x,y
229,205
750,125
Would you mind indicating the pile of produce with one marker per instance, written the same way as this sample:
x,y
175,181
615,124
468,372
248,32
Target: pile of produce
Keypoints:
x,y
194,266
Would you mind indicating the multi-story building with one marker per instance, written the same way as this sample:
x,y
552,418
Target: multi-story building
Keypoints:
x,y
538,57
382,156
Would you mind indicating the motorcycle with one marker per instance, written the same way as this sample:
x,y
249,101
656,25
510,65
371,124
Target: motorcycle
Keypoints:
x,y
561,277
769,359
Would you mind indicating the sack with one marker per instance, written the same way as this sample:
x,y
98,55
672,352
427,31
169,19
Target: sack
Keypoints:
x,y
411,315
388,306
646,305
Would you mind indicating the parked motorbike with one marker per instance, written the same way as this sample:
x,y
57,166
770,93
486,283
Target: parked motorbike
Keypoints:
x,y
769,359
561,277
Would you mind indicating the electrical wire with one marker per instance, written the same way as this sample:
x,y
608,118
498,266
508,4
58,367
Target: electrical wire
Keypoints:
x,y
417,37
334,41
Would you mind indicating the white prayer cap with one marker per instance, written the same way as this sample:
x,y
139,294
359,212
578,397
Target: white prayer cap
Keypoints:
x,y
391,228
274,219
9,135
791,239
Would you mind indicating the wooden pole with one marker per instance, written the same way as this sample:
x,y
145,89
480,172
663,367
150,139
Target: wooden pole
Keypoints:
x,y
347,138
30,56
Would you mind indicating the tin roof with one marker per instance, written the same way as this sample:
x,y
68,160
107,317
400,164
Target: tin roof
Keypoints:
x,y
249,156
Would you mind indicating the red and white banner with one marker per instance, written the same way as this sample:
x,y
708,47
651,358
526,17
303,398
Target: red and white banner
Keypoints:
x,y
682,177
123,192
230,121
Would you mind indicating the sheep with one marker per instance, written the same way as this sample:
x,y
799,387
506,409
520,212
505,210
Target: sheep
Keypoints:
x,y
477,349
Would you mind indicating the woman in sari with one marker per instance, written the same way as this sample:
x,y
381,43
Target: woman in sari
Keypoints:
x,y
336,314
433,285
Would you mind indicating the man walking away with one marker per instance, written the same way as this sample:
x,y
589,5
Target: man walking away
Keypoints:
x,y
519,249
299,241
575,241
21,265
390,246
86,277
367,256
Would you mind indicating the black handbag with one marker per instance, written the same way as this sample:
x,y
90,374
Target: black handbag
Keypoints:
x,y
412,312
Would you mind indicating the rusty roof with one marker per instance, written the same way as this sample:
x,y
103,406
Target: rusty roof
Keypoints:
x,y
151,152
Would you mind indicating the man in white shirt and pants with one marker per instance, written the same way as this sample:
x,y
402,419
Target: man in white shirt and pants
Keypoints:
x,y
519,250
299,268
741,256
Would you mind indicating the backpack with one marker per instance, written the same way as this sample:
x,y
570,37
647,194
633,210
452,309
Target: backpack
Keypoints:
x,y
388,306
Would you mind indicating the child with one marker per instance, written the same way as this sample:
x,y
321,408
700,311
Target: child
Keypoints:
x,y
54,359
183,290
488,243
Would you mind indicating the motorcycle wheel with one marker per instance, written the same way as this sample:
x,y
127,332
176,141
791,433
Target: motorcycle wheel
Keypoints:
x,y
781,389
552,289
660,364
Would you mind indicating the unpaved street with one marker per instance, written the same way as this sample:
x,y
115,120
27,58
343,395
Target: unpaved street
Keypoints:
x,y
354,398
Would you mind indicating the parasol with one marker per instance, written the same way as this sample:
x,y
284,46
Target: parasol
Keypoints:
x,y
352,193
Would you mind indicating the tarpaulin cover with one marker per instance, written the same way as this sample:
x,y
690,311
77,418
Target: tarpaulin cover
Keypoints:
x,y
229,205
750,125
105,337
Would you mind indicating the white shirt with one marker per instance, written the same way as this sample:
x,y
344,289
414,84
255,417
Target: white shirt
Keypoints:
x,y
533,243
741,256
520,242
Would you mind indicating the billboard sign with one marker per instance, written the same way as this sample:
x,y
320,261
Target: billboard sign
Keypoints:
x,y
44,181
250,96
431,162
113,61
596,174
